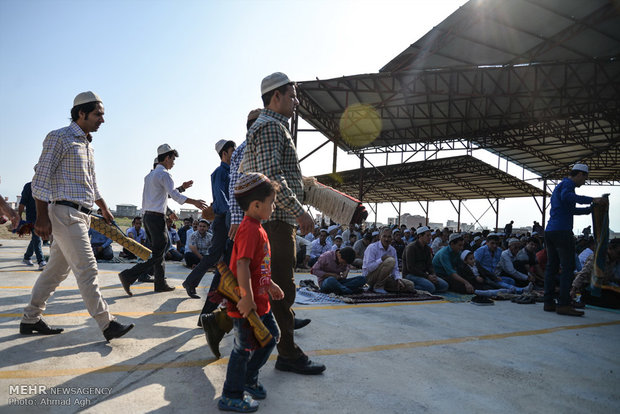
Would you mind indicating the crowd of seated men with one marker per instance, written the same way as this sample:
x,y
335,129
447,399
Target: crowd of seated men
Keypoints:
x,y
398,259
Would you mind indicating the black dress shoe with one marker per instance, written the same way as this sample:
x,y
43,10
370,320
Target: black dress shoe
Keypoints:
x,y
164,288
116,330
213,333
301,365
549,307
568,310
125,283
40,327
191,291
300,323
146,279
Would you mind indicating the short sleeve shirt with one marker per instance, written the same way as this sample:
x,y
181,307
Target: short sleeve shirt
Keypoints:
x,y
251,242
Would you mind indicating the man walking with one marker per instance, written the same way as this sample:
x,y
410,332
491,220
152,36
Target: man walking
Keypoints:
x,y
158,185
28,203
560,241
221,223
270,150
65,188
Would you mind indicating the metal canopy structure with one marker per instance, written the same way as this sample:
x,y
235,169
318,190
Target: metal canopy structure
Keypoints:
x,y
535,81
511,32
455,178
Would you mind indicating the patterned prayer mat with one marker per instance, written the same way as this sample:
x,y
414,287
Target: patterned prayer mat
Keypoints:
x,y
371,297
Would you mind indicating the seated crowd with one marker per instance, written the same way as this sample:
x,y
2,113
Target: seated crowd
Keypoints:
x,y
398,259
405,260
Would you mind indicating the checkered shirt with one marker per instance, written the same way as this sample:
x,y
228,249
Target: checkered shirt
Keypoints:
x,y
202,243
270,150
66,168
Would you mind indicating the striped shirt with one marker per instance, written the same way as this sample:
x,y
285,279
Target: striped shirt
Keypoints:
x,y
66,168
270,150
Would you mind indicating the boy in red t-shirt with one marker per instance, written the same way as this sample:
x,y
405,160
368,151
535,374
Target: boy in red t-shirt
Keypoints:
x,y
250,262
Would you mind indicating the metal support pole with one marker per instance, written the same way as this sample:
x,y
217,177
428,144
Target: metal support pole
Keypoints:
x,y
361,193
458,222
544,203
426,213
399,206
376,213
334,158
294,125
497,214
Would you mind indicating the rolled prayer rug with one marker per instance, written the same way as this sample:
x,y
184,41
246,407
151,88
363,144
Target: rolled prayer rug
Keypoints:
x,y
112,231
229,287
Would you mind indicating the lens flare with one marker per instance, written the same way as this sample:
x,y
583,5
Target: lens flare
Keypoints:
x,y
360,125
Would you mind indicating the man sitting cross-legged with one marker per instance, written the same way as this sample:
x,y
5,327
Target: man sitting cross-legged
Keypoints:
x,y
199,244
418,264
380,266
332,270
445,263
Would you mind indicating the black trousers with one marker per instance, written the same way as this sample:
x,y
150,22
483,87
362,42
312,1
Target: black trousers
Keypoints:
x,y
155,226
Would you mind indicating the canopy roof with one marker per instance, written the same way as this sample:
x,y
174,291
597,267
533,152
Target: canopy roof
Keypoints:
x,y
509,32
544,91
454,178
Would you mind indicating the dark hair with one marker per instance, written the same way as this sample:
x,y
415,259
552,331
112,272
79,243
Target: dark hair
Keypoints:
x,y
614,243
162,157
229,144
533,240
258,193
573,173
267,96
493,238
136,218
348,254
250,123
454,241
87,108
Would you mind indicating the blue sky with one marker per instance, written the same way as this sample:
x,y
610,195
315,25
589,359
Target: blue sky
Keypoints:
x,y
187,73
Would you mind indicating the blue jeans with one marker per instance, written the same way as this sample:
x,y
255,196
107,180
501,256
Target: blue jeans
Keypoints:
x,y
247,357
35,246
343,286
422,283
560,253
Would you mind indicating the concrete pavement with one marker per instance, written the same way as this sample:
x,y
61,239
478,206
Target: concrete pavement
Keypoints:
x,y
435,357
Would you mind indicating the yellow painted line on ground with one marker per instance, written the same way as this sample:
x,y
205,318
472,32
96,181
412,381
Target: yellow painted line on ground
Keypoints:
x,y
14,374
141,286
361,305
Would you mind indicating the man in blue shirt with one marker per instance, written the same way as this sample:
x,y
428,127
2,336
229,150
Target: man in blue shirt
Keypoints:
x,y
221,223
35,246
102,246
489,255
560,241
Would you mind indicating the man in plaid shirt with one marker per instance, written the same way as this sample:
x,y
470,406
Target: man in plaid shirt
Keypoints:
x,y
270,150
65,188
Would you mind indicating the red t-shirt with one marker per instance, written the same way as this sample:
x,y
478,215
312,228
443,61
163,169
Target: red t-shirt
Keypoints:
x,y
251,242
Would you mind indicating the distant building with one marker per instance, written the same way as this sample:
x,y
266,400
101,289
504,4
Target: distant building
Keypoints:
x,y
189,213
126,210
435,226
408,220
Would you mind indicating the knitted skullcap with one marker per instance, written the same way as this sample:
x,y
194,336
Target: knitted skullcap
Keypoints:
x,y
249,181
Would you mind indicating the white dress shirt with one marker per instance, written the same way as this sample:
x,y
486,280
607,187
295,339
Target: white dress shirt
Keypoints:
x,y
158,185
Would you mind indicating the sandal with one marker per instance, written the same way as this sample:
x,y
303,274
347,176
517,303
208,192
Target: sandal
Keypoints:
x,y
245,405
257,391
